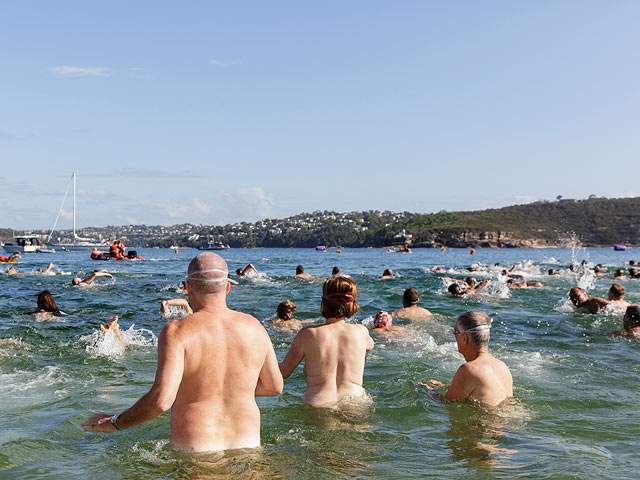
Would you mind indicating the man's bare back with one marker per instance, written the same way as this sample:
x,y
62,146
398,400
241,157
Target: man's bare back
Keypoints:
x,y
485,379
334,356
224,353
413,313
211,365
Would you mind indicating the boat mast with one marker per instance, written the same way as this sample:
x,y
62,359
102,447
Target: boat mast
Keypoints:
x,y
74,205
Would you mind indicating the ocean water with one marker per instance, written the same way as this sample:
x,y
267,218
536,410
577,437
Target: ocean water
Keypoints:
x,y
576,412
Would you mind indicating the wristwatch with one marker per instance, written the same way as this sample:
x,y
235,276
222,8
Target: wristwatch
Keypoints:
x,y
114,421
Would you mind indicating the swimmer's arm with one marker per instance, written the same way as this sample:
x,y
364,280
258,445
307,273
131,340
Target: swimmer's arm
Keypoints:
x,y
369,340
461,282
162,394
177,302
594,304
479,287
294,355
462,385
270,381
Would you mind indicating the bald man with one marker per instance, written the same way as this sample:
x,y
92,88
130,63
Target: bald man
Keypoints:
x,y
211,365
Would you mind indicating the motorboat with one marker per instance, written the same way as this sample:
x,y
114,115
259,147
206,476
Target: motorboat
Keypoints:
x,y
214,246
27,244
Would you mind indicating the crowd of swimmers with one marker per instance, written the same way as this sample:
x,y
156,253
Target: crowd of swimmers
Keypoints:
x,y
214,361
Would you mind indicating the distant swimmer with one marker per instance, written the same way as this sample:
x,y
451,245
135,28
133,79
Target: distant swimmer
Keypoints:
x,y
244,272
47,269
383,323
592,305
334,352
411,310
631,323
468,282
335,271
553,271
483,377
633,273
11,258
211,366
457,291
284,316
176,302
386,274
507,273
301,274
439,270
633,263
12,271
619,276
46,304
513,284
598,271
112,327
87,281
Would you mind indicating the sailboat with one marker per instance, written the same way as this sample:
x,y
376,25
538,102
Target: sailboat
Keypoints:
x,y
77,243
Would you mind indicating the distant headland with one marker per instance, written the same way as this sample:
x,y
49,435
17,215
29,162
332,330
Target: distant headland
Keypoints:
x,y
593,222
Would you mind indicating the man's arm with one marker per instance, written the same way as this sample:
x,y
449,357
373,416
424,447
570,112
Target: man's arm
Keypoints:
x,y
294,355
176,302
162,394
270,381
461,282
462,385
594,304
478,287
94,275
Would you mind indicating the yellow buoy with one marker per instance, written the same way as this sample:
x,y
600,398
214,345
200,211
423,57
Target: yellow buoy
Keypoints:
x,y
444,249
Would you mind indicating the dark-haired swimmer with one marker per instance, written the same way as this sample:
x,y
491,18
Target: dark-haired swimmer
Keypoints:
x,y
334,352
243,272
619,276
592,305
553,271
46,304
301,274
631,323
483,377
457,291
411,310
633,273
387,274
47,269
468,282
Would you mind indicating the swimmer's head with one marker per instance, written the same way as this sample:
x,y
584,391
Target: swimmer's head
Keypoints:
x,y
510,281
552,271
76,281
410,297
578,296
596,269
335,271
285,310
339,298
572,267
471,281
39,270
619,272
633,272
299,269
46,303
455,289
616,292
504,272
383,319
631,317
207,274
632,262
476,325
387,272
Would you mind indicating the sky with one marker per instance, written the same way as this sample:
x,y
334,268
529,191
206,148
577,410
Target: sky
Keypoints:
x,y
221,112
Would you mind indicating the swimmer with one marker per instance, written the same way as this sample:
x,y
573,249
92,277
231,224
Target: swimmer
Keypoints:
x,y
300,273
243,272
631,323
387,274
598,271
439,270
211,366
113,327
512,284
592,305
87,281
468,282
335,271
616,297
553,271
176,302
12,271
483,377
11,258
46,304
633,263
619,276
633,273
46,270
383,323
507,273
411,310
457,291
334,352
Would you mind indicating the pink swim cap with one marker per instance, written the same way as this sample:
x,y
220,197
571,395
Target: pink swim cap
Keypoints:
x,y
383,319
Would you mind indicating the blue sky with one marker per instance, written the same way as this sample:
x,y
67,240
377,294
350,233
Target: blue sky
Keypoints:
x,y
212,112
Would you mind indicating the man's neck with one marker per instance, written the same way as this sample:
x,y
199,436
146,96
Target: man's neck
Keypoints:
x,y
474,354
330,321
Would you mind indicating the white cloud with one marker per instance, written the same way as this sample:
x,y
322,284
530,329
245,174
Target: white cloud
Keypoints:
x,y
222,63
74,71
250,203
523,198
185,211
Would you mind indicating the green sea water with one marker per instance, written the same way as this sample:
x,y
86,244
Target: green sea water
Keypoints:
x,y
575,414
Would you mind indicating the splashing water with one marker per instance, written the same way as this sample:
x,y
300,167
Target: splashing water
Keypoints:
x,y
107,343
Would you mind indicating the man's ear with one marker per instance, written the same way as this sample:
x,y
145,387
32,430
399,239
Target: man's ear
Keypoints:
x,y
227,289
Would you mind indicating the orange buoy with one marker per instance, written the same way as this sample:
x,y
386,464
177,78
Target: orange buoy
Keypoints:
x,y
338,251
176,251
472,252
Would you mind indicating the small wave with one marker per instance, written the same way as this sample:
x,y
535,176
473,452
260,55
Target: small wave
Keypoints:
x,y
107,343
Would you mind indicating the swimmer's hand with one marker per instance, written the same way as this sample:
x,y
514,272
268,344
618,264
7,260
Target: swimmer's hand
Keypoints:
x,y
100,422
425,385
436,383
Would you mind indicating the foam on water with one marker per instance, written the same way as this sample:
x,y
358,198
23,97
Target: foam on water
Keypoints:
x,y
107,343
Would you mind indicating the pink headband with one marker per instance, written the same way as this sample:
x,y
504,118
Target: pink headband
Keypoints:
x,y
329,298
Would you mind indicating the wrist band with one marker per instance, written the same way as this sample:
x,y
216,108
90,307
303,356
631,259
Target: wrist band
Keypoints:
x,y
114,421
